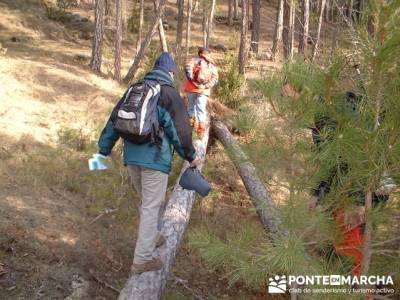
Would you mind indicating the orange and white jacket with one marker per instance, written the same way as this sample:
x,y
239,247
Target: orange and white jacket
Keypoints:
x,y
210,79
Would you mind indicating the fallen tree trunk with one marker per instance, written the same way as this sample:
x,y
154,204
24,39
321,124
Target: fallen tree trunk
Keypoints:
x,y
150,285
259,194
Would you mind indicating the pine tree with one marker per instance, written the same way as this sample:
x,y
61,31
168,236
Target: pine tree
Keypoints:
x,y
95,62
188,27
317,38
140,25
304,36
118,41
255,32
179,27
243,39
146,42
359,143
278,30
288,28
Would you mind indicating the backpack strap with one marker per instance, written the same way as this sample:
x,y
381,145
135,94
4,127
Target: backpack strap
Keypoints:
x,y
157,134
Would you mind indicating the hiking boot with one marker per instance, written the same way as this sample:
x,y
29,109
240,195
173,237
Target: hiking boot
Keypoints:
x,y
160,241
200,130
151,265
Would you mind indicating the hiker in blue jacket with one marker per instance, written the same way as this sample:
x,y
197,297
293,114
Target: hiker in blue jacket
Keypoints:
x,y
149,165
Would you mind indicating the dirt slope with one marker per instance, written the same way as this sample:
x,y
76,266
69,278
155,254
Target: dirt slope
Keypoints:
x,y
52,243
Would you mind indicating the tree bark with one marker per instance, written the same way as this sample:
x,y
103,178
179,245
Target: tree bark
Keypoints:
x,y
179,27
145,44
367,251
304,35
188,25
208,19
107,12
230,12
278,30
163,38
260,196
255,31
243,39
95,62
235,9
118,41
210,23
150,285
350,11
140,27
316,41
161,32
288,28
327,8
205,24
196,5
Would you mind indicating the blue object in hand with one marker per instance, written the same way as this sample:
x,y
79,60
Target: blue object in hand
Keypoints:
x,y
192,180
97,162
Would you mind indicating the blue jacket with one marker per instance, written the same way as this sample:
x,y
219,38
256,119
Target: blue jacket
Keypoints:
x,y
172,116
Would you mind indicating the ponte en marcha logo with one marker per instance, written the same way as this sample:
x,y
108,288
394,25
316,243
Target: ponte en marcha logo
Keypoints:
x,y
280,284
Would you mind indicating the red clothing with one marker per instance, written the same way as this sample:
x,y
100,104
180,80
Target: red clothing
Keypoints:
x,y
351,245
205,85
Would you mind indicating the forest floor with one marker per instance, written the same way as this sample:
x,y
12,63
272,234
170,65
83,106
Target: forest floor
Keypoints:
x,y
57,239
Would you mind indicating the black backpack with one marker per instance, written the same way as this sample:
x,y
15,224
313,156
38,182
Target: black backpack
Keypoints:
x,y
135,117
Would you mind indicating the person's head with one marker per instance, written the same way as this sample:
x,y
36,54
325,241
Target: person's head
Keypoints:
x,y
166,63
204,52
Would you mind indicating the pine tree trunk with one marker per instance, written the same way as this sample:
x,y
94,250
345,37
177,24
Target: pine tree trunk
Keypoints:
x,y
367,251
140,27
243,39
235,9
230,12
179,27
118,41
161,32
210,21
205,24
248,15
350,11
316,41
151,285
288,29
188,29
106,8
255,31
259,194
327,9
95,62
292,26
146,43
278,30
377,92
106,11
304,36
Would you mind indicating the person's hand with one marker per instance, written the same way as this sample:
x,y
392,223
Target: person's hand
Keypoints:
x,y
198,85
189,75
195,163
313,202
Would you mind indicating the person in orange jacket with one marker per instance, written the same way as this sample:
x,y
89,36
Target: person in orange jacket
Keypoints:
x,y
202,75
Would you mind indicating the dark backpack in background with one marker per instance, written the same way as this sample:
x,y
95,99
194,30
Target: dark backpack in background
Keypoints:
x,y
135,117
